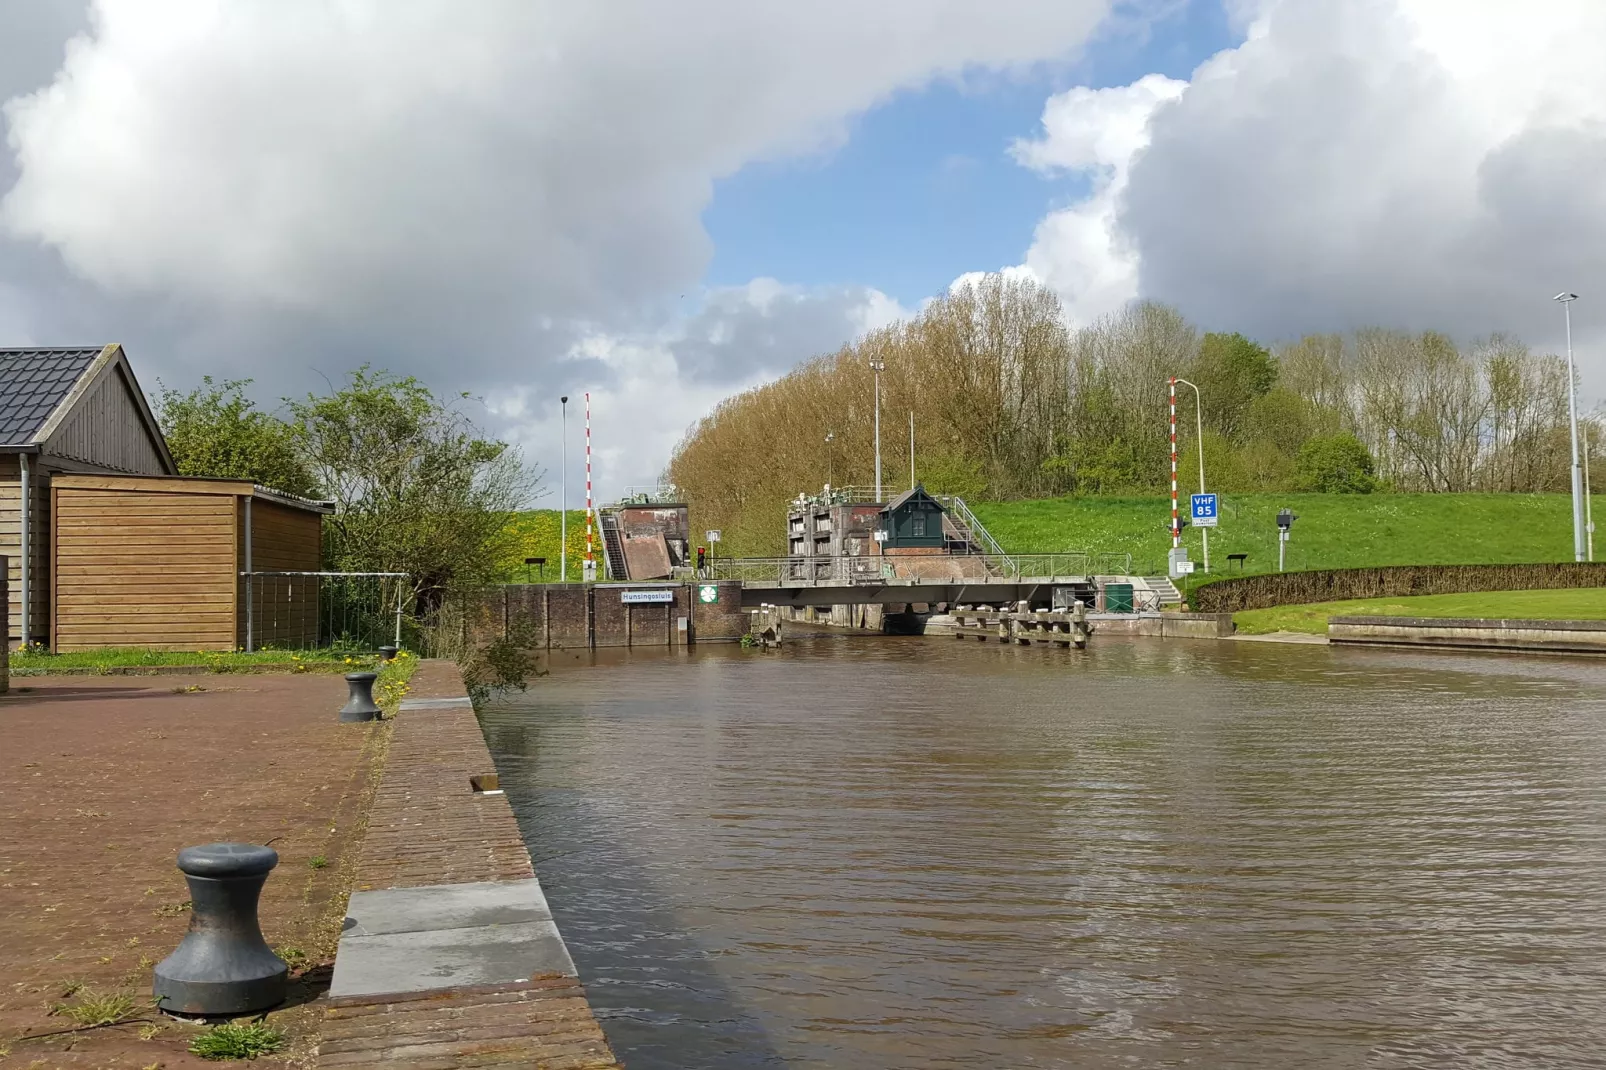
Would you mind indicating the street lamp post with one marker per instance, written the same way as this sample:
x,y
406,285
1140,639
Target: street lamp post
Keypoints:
x,y
876,365
1198,413
1567,300
563,495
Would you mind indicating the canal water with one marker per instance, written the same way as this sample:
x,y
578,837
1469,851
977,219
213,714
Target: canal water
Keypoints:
x,y
924,853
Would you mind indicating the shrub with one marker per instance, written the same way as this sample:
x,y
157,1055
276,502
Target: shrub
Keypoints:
x,y
1336,464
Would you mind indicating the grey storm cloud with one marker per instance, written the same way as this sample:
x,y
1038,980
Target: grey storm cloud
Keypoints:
x,y
1361,162
478,194
759,329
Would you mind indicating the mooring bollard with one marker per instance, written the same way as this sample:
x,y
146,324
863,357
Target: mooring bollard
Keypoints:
x,y
389,652
360,706
223,966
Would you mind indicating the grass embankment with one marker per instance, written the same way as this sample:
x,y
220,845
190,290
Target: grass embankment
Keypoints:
x,y
389,689
1584,604
538,536
1332,530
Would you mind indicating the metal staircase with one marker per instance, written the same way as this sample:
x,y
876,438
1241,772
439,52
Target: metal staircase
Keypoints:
x,y
613,547
965,534
1162,586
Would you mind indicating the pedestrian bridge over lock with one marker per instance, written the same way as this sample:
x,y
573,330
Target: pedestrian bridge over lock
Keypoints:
x,y
974,579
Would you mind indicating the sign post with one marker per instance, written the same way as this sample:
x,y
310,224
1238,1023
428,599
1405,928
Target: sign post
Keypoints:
x,y
712,538
1285,522
1205,510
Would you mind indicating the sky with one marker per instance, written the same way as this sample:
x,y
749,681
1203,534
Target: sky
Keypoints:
x,y
666,204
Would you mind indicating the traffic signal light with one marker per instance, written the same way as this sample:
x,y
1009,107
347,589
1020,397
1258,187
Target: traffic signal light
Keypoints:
x,y
701,555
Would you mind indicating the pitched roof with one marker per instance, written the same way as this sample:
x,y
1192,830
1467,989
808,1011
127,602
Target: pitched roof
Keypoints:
x,y
916,491
33,382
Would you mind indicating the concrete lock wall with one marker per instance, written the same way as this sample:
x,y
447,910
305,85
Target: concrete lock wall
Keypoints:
x,y
561,616
1165,625
1556,636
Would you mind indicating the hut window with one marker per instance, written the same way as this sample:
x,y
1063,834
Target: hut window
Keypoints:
x,y
919,525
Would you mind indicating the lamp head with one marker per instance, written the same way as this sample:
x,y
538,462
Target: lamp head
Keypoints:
x,y
1565,297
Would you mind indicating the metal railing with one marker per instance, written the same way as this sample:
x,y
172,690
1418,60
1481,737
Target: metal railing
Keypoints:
x,y
316,610
656,494
975,529
945,568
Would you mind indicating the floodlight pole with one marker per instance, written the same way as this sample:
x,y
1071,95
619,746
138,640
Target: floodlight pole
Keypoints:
x,y
911,449
876,364
1567,300
1198,413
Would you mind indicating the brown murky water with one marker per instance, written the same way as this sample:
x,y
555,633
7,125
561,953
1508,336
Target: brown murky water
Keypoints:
x,y
920,853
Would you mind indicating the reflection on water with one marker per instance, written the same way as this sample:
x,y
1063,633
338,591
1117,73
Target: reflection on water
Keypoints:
x,y
922,853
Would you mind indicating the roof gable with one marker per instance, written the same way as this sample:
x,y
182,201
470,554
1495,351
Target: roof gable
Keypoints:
x,y
915,494
33,383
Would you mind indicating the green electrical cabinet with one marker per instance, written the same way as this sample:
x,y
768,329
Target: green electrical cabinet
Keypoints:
x,y
1118,598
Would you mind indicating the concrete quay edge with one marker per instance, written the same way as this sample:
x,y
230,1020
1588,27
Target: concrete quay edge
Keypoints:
x,y
450,956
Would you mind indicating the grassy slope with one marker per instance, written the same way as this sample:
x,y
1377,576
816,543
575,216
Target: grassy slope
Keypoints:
x,y
1588,604
1333,530
538,537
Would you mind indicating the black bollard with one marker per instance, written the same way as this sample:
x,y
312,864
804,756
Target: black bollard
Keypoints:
x,y
388,652
223,966
360,706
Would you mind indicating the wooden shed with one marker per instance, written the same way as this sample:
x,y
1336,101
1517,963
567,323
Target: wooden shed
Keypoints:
x,y
156,561
62,411
913,520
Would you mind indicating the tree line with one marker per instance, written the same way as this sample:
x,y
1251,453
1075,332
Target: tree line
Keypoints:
x,y
417,487
1009,402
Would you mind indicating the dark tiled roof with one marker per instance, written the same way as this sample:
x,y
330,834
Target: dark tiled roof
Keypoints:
x,y
32,384
917,491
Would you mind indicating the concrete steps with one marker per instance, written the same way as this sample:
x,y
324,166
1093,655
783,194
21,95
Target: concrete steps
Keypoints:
x,y
1162,586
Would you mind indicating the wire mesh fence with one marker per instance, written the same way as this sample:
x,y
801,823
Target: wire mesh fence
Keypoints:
x,y
326,610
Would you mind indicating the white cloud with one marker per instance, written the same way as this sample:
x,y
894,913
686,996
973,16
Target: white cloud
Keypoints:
x,y
1421,163
349,158
1097,134
659,383
503,196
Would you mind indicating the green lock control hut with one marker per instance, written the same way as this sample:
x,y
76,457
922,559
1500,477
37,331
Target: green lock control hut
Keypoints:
x,y
913,522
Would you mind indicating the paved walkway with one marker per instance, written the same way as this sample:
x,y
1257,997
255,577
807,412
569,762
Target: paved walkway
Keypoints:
x,y
103,780
450,958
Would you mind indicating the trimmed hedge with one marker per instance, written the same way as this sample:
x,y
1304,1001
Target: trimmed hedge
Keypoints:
x,y
1394,581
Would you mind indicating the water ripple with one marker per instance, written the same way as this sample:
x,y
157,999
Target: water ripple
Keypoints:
x,y
922,854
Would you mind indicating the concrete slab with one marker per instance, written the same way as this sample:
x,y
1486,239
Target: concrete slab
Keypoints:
x,y
447,936
445,906
448,958
435,703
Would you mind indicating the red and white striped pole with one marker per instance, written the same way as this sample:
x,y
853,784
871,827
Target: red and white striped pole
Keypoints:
x,y
1176,527
591,560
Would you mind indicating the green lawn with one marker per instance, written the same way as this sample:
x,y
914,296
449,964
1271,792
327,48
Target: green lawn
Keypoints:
x,y
215,660
1332,530
1584,604
389,689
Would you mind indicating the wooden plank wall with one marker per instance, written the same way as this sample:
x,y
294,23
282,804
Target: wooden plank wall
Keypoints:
x,y
11,547
284,608
144,569
107,429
